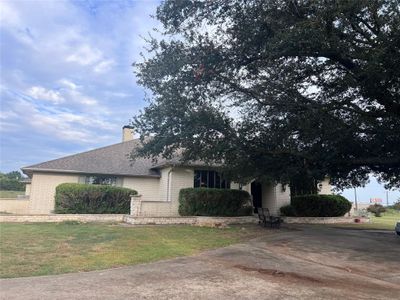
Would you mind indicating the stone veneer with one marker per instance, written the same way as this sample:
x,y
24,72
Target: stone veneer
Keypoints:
x,y
199,221
61,218
196,220
323,220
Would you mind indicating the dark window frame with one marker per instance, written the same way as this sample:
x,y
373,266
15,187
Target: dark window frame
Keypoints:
x,y
101,179
210,179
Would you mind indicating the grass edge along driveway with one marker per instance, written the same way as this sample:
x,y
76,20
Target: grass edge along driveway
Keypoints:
x,y
55,248
387,221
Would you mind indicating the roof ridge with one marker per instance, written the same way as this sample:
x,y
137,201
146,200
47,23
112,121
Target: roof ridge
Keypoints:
x,y
80,153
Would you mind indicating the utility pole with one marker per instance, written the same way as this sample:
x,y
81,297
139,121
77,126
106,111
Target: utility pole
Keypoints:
x,y
355,198
387,198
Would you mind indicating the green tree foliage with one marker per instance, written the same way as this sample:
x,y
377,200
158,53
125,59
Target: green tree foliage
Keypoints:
x,y
279,89
376,209
396,205
11,181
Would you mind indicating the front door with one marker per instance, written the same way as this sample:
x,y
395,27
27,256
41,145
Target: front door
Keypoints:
x,y
256,193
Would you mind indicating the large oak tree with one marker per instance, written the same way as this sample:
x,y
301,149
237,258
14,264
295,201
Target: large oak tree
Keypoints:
x,y
283,90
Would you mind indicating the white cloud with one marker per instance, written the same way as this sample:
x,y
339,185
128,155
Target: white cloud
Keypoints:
x,y
85,55
40,93
78,88
11,21
86,100
61,125
67,83
8,15
103,66
72,92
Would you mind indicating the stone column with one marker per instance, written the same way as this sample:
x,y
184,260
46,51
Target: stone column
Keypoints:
x,y
136,204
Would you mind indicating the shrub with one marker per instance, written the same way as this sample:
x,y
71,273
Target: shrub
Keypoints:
x,y
320,205
376,209
214,202
396,205
288,211
77,198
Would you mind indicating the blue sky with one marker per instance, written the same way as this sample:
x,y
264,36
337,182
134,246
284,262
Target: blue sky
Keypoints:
x,y
67,84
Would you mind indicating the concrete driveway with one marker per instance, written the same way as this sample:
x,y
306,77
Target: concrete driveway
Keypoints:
x,y
296,262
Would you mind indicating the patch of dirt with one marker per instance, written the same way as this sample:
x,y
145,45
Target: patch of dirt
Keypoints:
x,y
289,276
279,276
316,258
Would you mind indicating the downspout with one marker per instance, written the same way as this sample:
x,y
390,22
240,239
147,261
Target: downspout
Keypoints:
x,y
169,183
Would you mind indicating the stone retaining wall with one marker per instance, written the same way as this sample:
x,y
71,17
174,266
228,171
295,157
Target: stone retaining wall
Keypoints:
x,y
199,221
61,218
323,220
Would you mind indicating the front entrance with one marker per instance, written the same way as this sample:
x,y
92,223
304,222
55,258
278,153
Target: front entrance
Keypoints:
x,y
256,193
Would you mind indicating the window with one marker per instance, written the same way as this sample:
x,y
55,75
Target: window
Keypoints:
x,y
98,179
210,179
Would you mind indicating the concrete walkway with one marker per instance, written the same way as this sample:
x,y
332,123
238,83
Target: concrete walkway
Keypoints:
x,y
299,262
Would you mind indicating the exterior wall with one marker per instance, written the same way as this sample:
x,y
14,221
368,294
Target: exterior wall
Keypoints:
x,y
165,184
28,189
325,187
147,187
274,197
43,190
247,188
181,178
171,182
14,206
282,194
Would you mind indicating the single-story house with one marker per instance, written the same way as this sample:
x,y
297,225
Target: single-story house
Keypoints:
x,y
158,183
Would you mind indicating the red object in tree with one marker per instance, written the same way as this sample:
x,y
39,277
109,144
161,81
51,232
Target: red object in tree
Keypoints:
x,y
198,73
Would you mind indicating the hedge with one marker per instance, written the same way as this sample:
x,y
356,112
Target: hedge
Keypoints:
x,y
214,202
317,206
77,198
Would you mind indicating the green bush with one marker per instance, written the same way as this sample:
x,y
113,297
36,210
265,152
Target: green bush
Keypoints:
x,y
396,205
376,209
320,205
214,202
288,211
77,198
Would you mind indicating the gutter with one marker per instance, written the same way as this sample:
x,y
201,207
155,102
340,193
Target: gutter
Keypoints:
x,y
31,170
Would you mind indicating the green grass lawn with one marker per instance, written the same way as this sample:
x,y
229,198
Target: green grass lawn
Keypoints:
x,y
10,194
386,222
54,248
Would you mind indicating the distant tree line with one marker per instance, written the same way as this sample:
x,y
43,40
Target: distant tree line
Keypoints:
x,y
11,181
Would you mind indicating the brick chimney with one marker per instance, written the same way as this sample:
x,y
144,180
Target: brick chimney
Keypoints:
x,y
127,133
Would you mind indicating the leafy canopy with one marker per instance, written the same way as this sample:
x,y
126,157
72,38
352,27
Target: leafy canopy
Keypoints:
x,y
11,181
279,89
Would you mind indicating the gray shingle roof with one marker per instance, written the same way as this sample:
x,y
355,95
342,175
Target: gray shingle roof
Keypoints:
x,y
106,160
